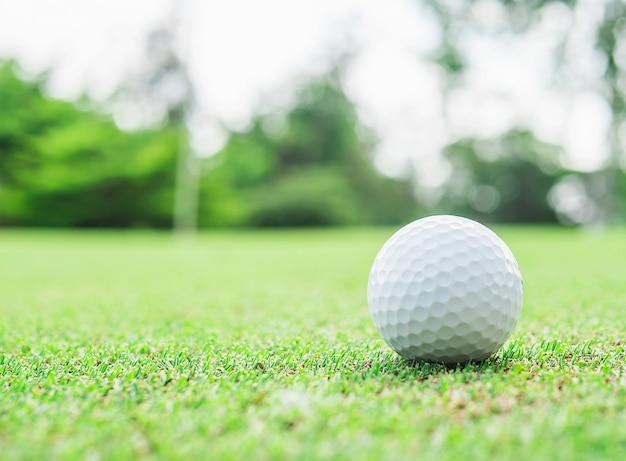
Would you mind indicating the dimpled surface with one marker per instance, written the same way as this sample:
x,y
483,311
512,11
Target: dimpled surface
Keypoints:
x,y
445,289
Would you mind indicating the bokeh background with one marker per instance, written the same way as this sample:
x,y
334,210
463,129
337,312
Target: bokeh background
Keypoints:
x,y
193,114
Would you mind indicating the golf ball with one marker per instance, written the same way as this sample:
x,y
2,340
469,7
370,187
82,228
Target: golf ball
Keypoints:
x,y
445,289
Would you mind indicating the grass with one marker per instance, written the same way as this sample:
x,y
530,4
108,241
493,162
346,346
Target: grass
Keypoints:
x,y
260,346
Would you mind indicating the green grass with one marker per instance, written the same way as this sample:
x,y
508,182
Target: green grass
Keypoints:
x,y
260,346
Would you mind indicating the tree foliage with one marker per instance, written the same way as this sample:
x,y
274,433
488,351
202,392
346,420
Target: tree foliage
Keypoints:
x,y
503,180
63,166
312,166
604,188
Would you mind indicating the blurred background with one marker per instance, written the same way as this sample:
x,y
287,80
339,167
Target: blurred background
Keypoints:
x,y
193,114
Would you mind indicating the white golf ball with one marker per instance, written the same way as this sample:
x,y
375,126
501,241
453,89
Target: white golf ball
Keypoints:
x,y
445,289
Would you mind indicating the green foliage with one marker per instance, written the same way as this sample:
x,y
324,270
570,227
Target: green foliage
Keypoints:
x,y
65,166
259,345
313,169
609,33
454,18
314,196
503,180
450,60
611,40
62,166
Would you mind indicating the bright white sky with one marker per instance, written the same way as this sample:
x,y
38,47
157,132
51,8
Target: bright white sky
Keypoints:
x,y
243,52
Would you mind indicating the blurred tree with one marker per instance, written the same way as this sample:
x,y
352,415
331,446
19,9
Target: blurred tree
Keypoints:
x,y
63,166
611,41
581,198
603,188
503,180
310,166
17,100
456,17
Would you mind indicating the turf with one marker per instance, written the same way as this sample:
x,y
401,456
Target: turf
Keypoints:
x,y
260,346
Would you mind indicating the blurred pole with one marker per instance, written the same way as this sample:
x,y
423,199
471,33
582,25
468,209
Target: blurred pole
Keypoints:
x,y
186,193
187,177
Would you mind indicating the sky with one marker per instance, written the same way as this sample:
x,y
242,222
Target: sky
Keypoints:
x,y
245,54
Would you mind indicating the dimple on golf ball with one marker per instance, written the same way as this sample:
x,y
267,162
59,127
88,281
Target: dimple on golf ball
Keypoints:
x,y
445,289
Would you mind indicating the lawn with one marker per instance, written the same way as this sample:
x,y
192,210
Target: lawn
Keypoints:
x,y
260,346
